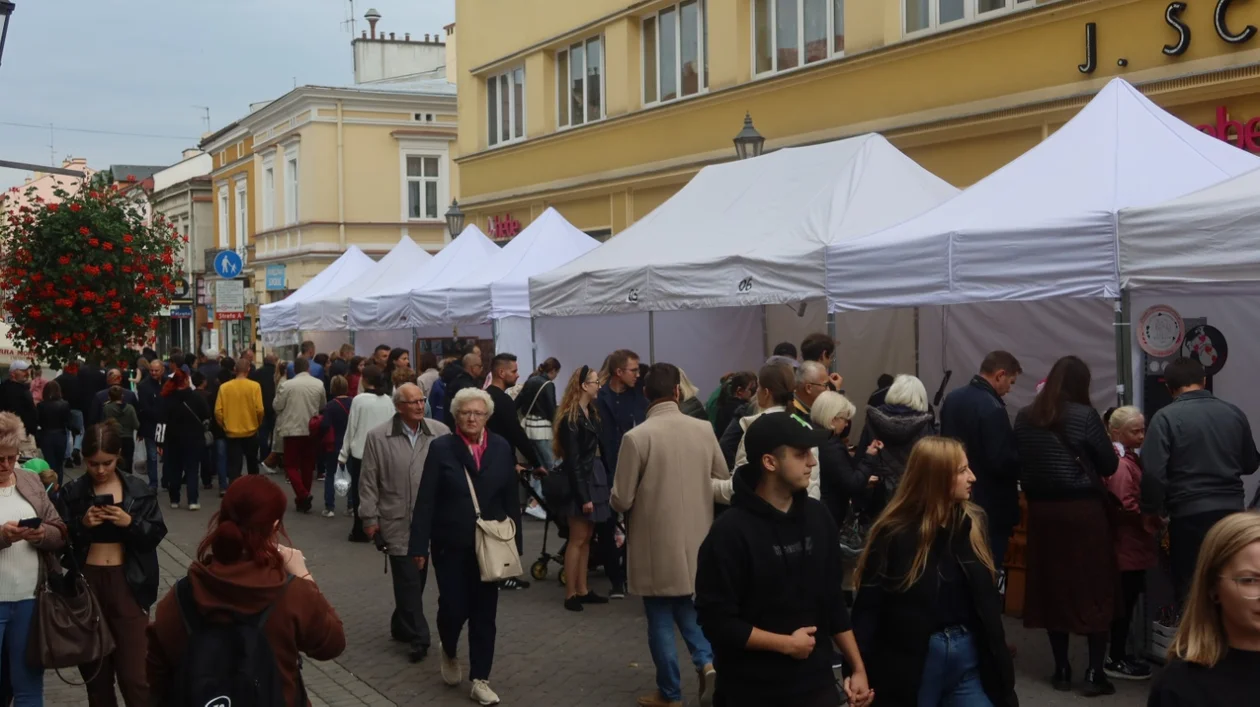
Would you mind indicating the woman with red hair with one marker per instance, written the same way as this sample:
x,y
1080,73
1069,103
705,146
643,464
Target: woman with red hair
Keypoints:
x,y
242,570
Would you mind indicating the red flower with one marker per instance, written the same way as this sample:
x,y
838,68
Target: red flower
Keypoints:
x,y
91,270
139,289
94,194
37,277
83,231
73,207
127,238
108,267
131,177
167,259
115,304
108,246
97,343
127,249
36,313
126,269
111,293
148,277
86,310
67,341
91,241
53,207
64,260
184,238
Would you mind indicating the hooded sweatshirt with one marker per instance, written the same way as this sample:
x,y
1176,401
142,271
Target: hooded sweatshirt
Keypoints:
x,y
760,567
454,379
302,621
898,427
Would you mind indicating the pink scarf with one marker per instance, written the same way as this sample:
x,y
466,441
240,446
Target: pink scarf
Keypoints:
x,y
477,449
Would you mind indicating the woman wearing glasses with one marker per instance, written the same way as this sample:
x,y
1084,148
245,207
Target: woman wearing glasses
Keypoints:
x,y
1215,656
443,528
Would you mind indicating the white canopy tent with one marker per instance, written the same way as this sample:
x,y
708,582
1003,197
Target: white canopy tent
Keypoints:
x,y
702,280
282,316
1044,225
389,274
750,232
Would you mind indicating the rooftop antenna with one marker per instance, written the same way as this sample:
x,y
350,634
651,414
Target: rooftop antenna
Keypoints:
x,y
350,22
52,139
206,117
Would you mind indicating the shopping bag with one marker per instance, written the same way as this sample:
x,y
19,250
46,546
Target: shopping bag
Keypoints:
x,y
341,480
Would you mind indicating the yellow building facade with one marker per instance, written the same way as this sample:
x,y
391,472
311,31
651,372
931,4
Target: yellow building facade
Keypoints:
x,y
605,108
232,181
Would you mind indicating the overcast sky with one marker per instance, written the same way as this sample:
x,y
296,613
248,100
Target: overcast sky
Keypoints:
x,y
141,66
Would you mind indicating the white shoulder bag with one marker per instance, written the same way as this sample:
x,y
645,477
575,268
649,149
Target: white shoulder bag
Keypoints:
x,y
495,543
537,428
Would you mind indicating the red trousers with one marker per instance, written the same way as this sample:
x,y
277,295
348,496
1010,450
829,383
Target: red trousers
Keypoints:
x,y
299,465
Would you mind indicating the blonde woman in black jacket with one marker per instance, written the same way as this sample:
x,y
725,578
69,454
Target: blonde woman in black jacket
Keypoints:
x,y
583,476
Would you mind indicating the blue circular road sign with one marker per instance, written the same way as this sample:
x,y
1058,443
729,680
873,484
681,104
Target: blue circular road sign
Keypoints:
x,y
228,264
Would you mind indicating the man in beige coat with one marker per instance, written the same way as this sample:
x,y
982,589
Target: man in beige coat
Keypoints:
x,y
663,484
298,400
393,460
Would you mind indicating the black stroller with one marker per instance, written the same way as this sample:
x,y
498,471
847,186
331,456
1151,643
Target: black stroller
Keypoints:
x,y
539,570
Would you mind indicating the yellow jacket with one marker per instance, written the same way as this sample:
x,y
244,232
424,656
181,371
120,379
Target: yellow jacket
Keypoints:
x,y
239,408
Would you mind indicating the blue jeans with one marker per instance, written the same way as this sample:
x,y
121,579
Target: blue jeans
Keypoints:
x,y
15,627
220,462
75,441
151,460
51,444
328,463
663,613
264,437
951,673
548,459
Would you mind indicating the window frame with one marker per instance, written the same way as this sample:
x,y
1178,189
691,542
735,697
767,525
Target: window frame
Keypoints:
x,y
514,111
292,183
971,15
702,52
567,81
267,194
225,212
832,52
242,213
439,191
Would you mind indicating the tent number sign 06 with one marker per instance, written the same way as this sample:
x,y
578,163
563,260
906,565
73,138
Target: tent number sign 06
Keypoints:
x,y
745,285
633,297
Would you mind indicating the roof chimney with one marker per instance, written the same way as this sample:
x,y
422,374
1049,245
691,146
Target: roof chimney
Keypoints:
x,y
372,17
365,34
391,36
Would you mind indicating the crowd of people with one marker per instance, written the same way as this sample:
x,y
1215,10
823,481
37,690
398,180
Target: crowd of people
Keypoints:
x,y
753,523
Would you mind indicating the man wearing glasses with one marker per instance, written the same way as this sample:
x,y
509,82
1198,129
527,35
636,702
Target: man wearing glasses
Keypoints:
x,y
393,461
622,406
811,381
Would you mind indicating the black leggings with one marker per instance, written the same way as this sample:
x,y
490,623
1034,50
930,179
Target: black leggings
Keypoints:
x,y
1097,650
1132,584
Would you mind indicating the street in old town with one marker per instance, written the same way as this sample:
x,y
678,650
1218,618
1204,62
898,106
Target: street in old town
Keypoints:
x,y
544,656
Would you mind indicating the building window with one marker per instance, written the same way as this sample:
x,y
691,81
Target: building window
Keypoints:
x,y
579,74
422,186
242,214
505,107
224,214
792,33
927,15
675,54
269,196
290,188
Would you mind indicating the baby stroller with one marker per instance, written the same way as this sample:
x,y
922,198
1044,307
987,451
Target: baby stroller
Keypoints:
x,y
539,570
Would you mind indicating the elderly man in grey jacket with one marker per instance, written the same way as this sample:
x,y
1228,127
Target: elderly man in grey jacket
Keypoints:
x,y
393,460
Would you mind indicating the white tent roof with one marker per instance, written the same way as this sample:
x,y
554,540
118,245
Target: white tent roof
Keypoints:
x,y
391,273
459,261
503,291
1045,224
1210,236
745,233
283,315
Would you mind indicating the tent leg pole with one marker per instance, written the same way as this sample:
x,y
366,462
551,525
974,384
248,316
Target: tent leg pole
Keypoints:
x,y
765,331
651,338
352,337
533,344
831,331
918,373
1124,350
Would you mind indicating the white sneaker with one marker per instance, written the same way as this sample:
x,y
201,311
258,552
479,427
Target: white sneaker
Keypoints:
x,y
269,469
194,506
175,505
482,694
451,673
330,514
537,512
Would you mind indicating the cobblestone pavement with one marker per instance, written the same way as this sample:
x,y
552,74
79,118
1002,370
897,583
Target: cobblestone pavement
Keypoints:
x,y
545,656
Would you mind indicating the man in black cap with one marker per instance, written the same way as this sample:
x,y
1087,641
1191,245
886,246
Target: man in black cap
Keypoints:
x,y
769,579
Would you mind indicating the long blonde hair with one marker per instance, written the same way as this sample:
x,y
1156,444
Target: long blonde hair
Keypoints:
x,y
1201,636
924,503
570,408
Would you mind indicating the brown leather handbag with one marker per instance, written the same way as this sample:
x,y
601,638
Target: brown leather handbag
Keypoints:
x,y
68,629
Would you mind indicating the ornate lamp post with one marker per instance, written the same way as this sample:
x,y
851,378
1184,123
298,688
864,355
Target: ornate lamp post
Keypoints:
x,y
749,142
454,219
6,11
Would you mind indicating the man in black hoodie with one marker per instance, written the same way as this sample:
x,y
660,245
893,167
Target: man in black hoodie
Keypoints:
x,y
457,376
769,578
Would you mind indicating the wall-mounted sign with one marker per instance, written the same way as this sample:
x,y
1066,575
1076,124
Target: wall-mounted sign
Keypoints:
x,y
275,277
1172,17
502,227
1245,135
229,299
228,264
1208,345
1160,331
182,312
181,288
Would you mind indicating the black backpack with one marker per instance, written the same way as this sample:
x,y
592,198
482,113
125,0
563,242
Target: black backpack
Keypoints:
x,y
228,664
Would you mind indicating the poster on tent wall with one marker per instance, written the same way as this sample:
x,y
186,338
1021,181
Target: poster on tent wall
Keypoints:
x,y
451,346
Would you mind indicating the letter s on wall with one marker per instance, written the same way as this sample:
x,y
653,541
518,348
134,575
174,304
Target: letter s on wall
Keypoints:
x,y
1172,16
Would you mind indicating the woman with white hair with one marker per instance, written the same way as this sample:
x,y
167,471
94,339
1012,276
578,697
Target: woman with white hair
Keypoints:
x,y
841,477
444,529
896,425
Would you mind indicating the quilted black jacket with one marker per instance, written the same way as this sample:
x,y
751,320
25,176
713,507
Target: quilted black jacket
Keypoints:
x,y
1049,471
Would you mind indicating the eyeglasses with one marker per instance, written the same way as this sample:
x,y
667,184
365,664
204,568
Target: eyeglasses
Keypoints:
x,y
471,414
412,402
1248,587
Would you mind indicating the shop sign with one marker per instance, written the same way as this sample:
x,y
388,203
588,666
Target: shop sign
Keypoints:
x,y
275,277
181,288
181,312
229,299
503,227
1244,135
1172,17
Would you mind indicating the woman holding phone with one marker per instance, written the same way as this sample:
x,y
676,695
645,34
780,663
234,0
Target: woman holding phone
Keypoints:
x,y
115,527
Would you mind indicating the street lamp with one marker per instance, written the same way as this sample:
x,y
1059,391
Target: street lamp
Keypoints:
x,y
454,219
749,142
6,11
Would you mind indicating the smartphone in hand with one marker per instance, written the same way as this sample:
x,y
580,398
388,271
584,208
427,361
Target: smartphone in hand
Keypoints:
x,y
31,523
103,500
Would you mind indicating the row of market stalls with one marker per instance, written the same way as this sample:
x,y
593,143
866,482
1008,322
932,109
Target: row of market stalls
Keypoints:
x,y
1065,250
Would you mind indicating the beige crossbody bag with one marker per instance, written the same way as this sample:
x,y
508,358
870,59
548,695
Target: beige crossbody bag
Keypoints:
x,y
495,543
